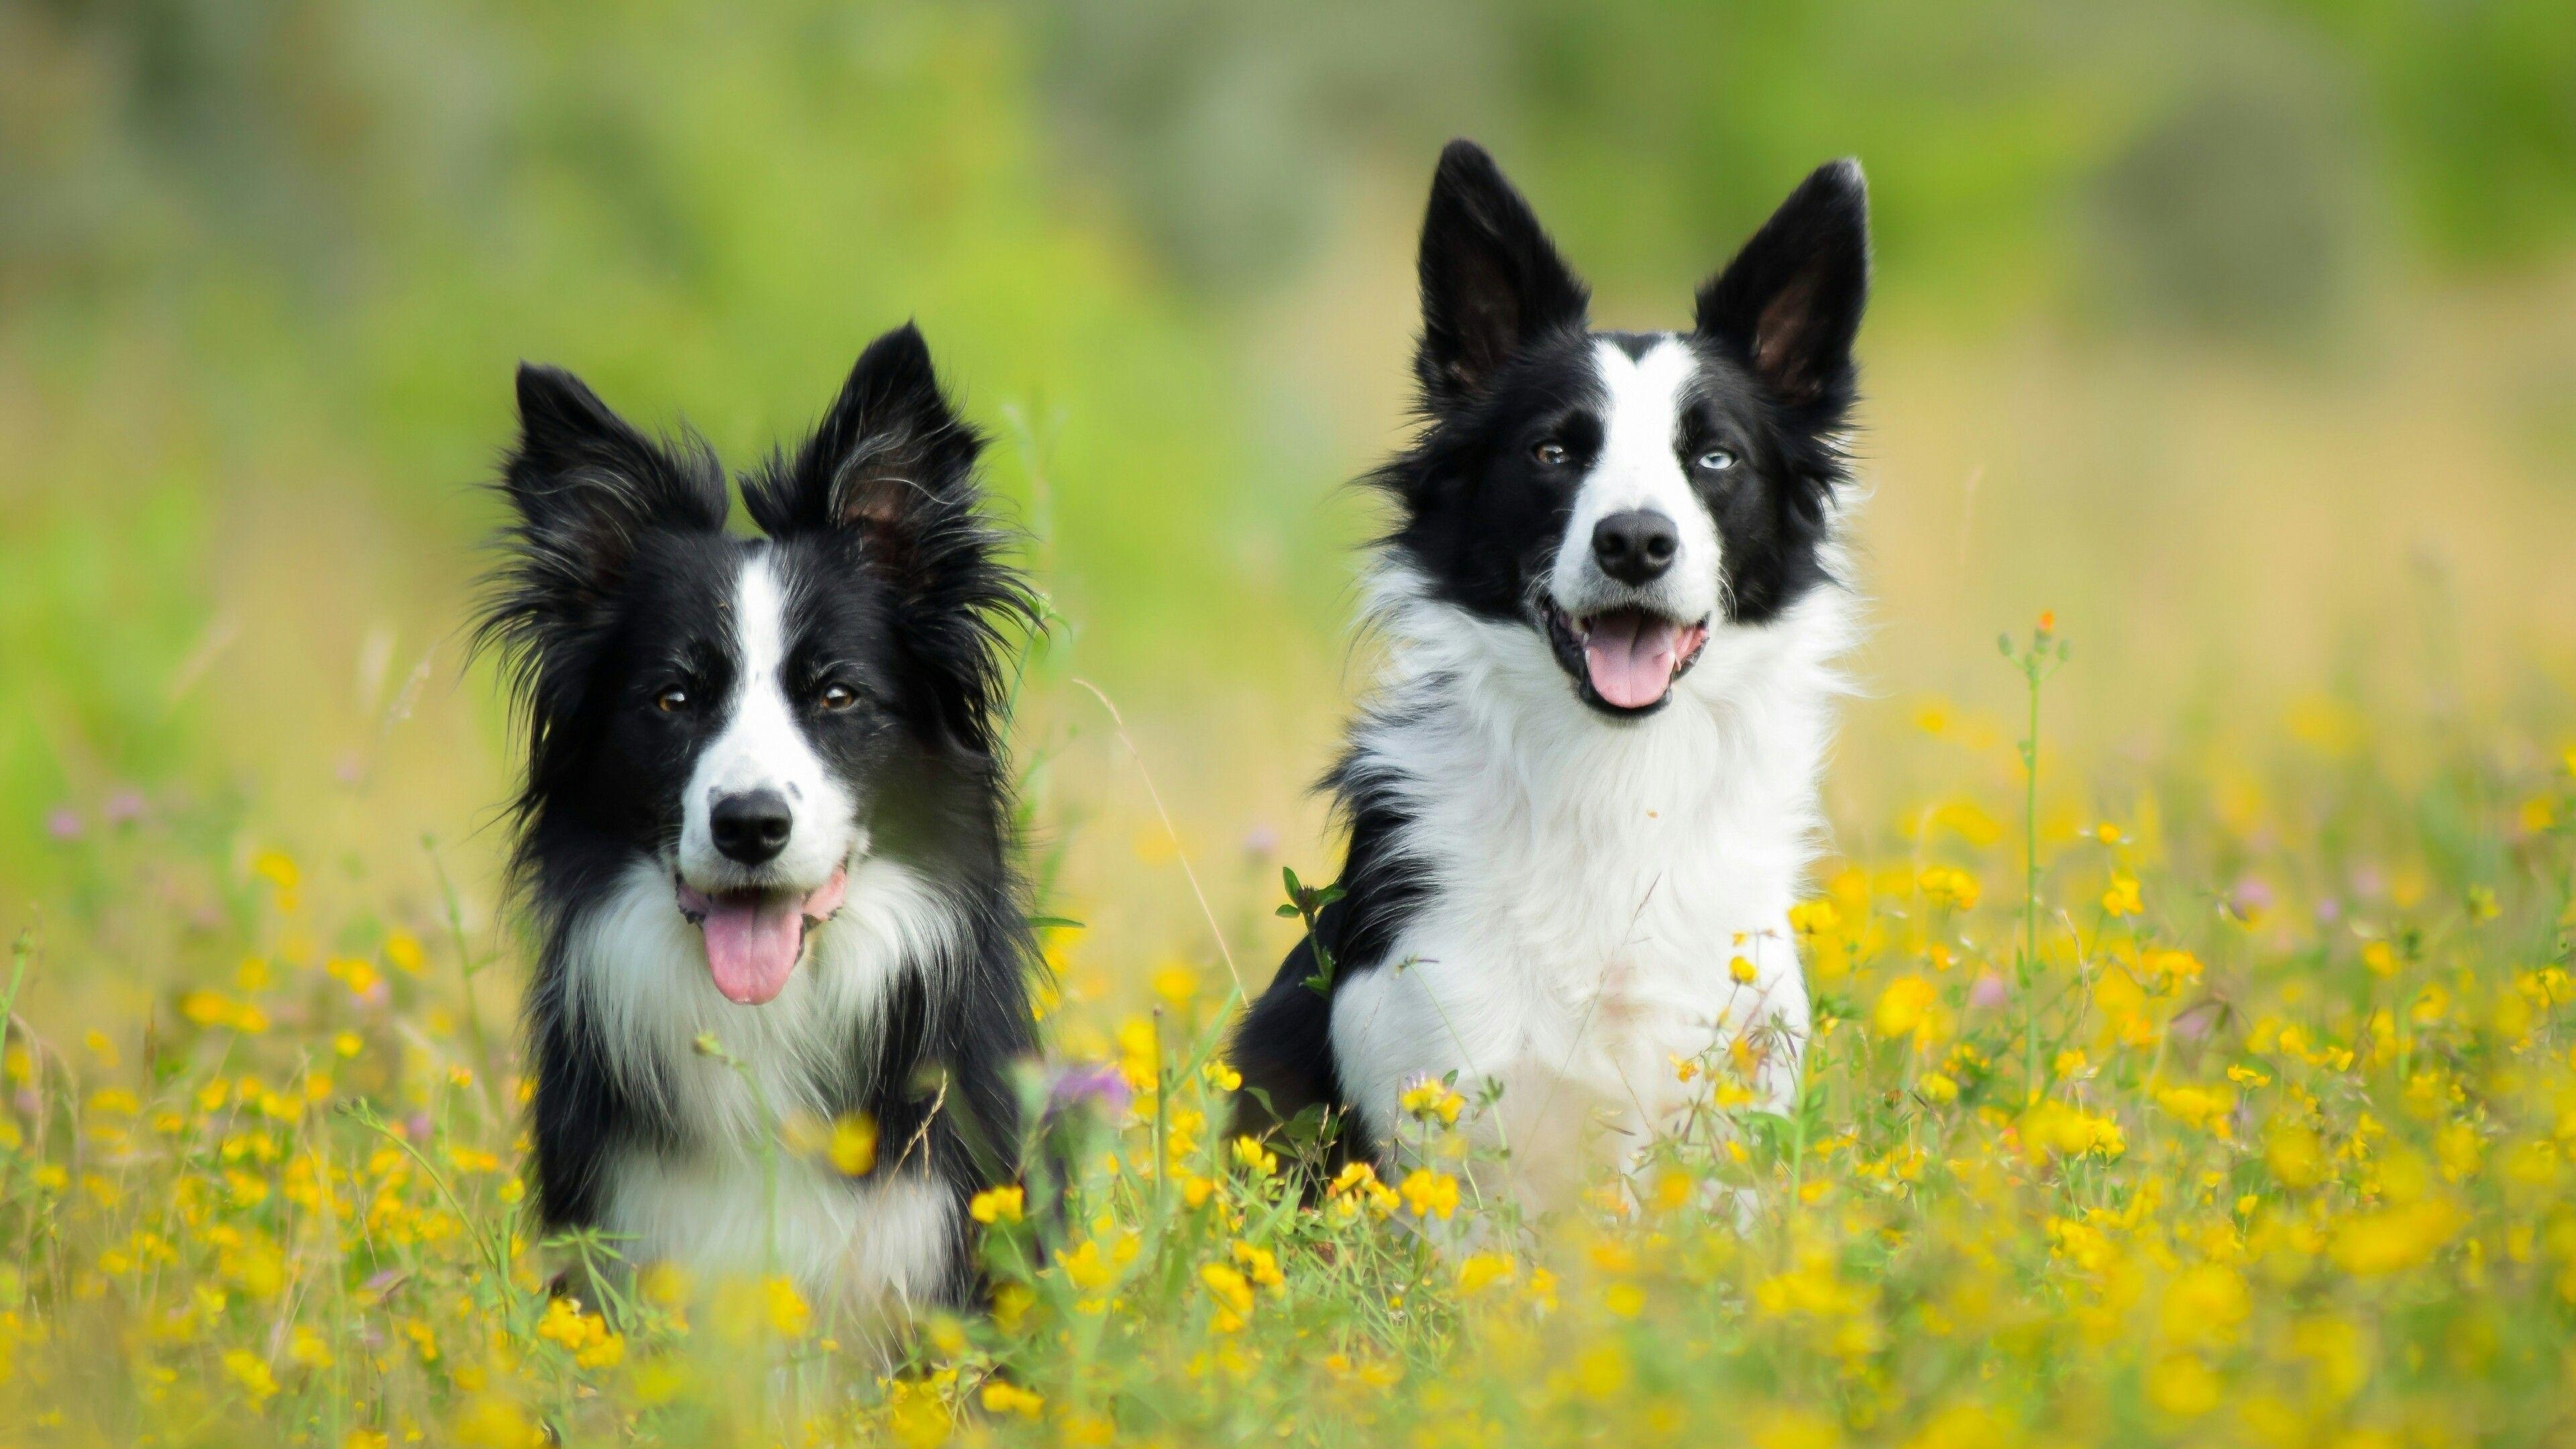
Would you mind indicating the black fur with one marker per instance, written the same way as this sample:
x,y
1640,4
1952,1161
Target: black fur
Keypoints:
x,y
1505,363
614,587
1284,1046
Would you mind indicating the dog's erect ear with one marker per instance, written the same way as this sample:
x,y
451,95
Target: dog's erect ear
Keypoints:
x,y
1789,304
889,461
588,487
892,467
1491,280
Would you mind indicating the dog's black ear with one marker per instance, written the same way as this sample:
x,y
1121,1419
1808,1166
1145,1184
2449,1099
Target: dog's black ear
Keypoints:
x,y
890,461
1789,304
1491,280
892,467
587,488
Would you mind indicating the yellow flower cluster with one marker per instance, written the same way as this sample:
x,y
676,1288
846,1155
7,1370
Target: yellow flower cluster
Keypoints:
x,y
2294,1168
586,1336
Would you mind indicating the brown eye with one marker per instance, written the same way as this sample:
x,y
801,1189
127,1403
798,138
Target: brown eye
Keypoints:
x,y
671,701
1551,455
836,698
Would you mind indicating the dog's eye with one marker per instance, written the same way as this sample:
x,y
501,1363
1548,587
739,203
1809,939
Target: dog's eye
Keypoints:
x,y
1715,460
836,698
672,700
1550,455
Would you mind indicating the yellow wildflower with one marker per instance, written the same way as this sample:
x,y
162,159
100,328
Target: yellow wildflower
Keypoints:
x,y
277,868
853,1145
2053,1128
2123,899
1479,1271
1430,1098
2393,1239
2204,1108
1430,1193
1944,885
1903,1006
251,1372
1176,984
788,1314
1086,1269
1233,1295
1001,1397
1259,1264
1255,1159
2181,1385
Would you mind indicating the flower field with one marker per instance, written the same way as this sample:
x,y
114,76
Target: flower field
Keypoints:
x,y
2195,1062
2246,1115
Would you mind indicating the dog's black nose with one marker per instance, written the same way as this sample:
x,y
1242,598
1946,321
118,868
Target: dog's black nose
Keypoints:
x,y
751,827
1635,547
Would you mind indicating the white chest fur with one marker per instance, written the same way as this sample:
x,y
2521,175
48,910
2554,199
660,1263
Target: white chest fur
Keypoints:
x,y
1590,882
637,986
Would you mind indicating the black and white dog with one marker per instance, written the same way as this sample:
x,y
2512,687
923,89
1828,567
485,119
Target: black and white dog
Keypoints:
x,y
1587,788
765,802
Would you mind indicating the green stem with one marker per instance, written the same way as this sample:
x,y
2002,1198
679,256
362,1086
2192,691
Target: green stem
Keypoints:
x,y
467,968
494,1252
2030,885
1162,1118
19,951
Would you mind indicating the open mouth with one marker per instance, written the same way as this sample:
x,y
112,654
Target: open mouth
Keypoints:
x,y
1626,659
755,937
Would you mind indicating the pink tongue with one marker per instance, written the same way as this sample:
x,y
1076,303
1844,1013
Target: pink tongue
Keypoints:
x,y
752,947
1631,656
753,942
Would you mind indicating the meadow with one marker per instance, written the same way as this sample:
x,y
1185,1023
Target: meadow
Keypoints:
x,y
2243,1116
2196,1061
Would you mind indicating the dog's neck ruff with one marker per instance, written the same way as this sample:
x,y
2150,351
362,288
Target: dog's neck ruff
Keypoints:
x,y
636,985
1460,693
1588,881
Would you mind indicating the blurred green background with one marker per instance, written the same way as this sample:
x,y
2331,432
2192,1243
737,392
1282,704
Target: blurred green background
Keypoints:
x,y
2243,336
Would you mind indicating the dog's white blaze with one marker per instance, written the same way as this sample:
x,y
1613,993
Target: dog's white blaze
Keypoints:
x,y
1639,467
1591,880
636,983
761,746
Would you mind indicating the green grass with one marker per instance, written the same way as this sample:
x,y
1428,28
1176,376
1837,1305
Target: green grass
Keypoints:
x,y
263,278
2254,1122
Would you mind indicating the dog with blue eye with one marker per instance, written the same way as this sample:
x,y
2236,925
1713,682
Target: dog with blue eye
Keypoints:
x,y
1584,794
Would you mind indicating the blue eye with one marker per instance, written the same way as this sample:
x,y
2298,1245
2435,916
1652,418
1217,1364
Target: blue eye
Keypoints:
x,y
1715,460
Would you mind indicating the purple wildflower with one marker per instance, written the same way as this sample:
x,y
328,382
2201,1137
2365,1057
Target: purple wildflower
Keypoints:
x,y
2251,897
1094,1084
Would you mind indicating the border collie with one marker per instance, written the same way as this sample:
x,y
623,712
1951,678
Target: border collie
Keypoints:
x,y
765,804
1582,798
